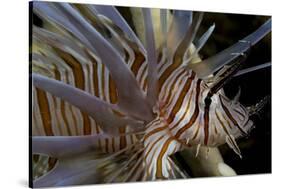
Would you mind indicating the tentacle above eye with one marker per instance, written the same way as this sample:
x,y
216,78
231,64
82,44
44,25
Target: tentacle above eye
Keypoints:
x,y
225,74
212,64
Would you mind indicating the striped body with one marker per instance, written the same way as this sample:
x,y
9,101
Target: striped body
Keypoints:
x,y
55,117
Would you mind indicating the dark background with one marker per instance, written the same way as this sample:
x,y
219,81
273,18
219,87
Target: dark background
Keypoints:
x,y
256,149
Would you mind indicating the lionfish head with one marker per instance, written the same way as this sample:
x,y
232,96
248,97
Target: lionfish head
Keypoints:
x,y
228,116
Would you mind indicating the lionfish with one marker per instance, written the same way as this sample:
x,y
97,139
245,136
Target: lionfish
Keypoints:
x,y
109,107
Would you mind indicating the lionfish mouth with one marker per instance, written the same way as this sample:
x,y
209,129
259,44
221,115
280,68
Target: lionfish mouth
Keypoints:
x,y
111,106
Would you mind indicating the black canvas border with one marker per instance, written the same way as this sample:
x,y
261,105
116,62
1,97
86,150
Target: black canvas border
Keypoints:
x,y
30,175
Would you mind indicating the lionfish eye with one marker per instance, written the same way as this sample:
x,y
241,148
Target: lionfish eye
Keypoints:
x,y
208,100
